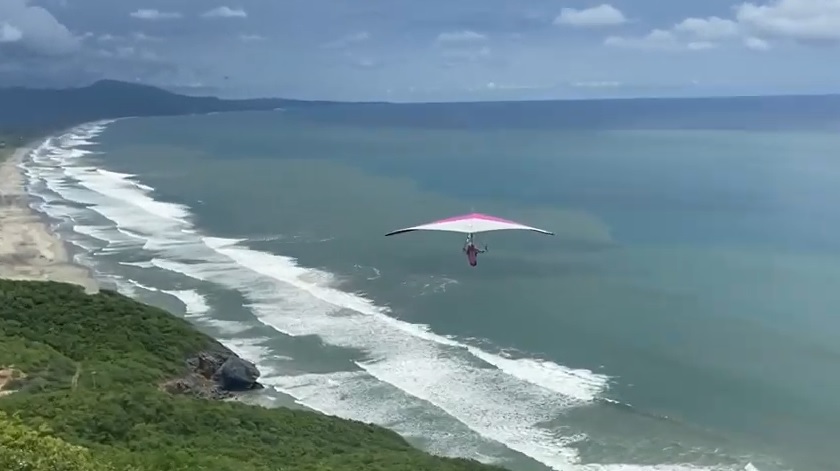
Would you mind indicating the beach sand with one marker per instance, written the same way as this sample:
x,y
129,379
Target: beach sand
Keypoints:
x,y
28,250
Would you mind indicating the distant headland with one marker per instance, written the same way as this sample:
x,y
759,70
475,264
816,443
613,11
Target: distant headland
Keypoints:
x,y
38,111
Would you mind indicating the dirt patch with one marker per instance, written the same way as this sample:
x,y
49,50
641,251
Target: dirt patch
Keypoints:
x,y
6,376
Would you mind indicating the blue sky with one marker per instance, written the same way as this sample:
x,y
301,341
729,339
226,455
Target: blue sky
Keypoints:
x,y
410,50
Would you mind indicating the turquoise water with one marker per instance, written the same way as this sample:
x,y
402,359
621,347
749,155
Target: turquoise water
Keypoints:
x,y
684,315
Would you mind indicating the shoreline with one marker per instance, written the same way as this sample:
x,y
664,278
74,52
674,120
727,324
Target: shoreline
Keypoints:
x,y
29,250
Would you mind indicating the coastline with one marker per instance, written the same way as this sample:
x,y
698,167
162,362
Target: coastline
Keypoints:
x,y
29,250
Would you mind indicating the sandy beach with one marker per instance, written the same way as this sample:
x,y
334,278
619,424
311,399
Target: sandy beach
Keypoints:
x,y
28,250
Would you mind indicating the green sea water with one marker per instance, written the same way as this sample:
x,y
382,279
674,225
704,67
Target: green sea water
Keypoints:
x,y
684,314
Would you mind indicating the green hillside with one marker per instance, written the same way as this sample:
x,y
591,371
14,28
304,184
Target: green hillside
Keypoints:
x,y
82,382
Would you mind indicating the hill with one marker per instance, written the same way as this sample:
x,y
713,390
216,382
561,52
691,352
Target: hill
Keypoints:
x,y
83,388
49,109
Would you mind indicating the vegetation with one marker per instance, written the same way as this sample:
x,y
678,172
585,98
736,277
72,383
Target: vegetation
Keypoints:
x,y
22,448
88,398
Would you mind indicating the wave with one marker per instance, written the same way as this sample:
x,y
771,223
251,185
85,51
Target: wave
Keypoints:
x,y
406,370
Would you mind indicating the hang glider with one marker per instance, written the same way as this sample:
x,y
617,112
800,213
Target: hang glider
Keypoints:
x,y
471,224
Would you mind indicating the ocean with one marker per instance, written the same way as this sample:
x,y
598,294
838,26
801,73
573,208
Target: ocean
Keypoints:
x,y
683,317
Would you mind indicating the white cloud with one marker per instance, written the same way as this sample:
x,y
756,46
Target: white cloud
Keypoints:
x,y
143,37
9,34
460,36
756,44
129,52
798,20
657,39
660,39
711,28
804,20
602,15
151,14
138,36
692,34
225,12
35,29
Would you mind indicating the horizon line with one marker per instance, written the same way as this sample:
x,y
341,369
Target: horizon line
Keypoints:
x,y
180,92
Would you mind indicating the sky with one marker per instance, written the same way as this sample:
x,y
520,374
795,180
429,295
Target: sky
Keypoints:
x,y
429,50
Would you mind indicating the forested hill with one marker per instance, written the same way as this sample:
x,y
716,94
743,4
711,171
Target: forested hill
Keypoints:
x,y
50,109
83,387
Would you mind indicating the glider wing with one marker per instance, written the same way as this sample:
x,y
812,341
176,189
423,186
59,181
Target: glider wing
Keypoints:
x,y
470,224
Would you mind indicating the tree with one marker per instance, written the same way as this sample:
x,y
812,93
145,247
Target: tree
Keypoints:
x,y
26,449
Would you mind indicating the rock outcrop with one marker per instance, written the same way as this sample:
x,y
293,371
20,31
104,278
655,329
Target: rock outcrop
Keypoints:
x,y
215,374
237,374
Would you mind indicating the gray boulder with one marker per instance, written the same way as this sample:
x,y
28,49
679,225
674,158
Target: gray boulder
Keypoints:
x,y
237,374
